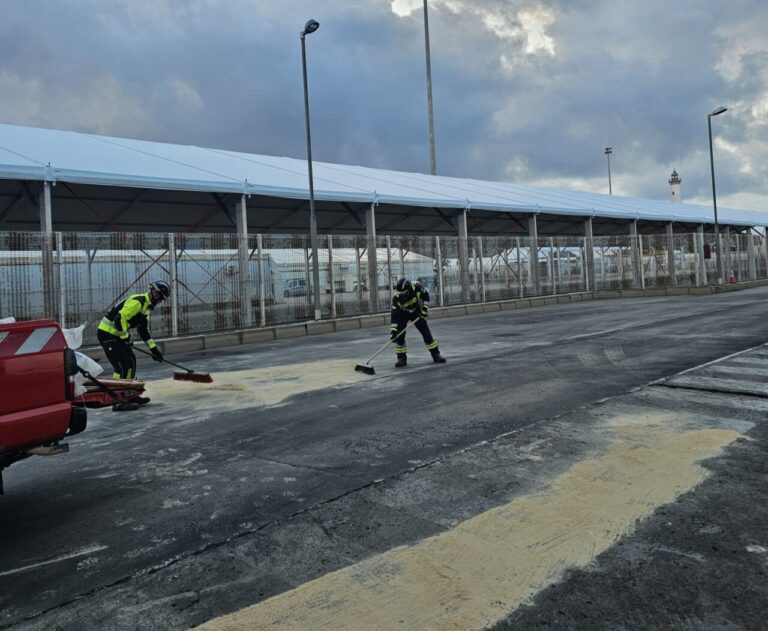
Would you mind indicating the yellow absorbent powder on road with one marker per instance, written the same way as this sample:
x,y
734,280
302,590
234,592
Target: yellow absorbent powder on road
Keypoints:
x,y
475,574
257,386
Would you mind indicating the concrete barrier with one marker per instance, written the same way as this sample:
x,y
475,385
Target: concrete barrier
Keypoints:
x,y
183,344
367,322
258,335
290,330
347,324
318,328
222,340
457,310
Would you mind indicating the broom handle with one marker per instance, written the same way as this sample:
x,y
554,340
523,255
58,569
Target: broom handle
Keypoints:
x,y
388,342
167,361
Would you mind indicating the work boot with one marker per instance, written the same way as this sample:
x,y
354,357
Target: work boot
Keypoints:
x,y
142,400
402,360
436,356
125,406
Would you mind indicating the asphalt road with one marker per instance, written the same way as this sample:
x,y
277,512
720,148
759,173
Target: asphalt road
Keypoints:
x,y
208,501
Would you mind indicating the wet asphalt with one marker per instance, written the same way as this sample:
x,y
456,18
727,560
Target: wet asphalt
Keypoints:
x,y
166,519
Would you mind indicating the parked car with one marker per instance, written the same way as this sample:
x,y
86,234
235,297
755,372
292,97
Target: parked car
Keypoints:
x,y
295,287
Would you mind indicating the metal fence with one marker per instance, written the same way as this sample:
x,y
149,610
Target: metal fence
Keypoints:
x,y
220,283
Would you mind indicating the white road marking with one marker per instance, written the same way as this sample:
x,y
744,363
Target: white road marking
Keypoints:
x,y
65,557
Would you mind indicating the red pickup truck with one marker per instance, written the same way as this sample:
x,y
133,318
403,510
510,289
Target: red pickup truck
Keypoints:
x,y
37,408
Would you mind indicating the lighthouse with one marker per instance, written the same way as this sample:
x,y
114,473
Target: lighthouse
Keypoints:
x,y
674,187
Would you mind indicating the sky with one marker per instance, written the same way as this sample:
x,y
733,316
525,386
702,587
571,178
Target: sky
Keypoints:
x,y
529,92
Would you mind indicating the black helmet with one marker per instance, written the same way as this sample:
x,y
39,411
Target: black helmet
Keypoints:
x,y
162,288
404,286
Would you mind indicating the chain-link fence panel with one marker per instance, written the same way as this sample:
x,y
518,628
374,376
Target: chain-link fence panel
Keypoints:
x,y
613,258
22,287
503,276
221,282
761,256
288,277
658,270
687,260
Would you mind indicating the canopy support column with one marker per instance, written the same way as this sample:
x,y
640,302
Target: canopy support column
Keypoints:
x,y
671,254
702,263
46,246
765,248
533,258
373,274
637,262
246,308
589,254
463,256
751,256
261,279
173,271
439,279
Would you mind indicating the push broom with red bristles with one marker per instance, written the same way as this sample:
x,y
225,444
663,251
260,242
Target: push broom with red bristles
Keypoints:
x,y
189,375
366,367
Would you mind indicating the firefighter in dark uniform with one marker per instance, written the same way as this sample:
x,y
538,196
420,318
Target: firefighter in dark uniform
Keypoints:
x,y
410,301
115,338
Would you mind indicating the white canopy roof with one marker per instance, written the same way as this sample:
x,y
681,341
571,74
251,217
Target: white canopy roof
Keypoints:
x,y
28,153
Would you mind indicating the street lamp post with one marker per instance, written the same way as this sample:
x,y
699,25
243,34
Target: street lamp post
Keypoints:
x,y
432,158
310,27
608,151
718,248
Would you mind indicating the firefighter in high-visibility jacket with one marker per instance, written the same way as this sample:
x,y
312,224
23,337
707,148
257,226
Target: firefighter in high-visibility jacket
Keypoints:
x,y
115,338
410,303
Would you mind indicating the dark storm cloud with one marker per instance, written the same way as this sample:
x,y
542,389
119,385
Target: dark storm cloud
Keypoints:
x,y
509,104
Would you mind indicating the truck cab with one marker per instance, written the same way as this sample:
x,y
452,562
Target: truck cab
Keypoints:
x,y
37,385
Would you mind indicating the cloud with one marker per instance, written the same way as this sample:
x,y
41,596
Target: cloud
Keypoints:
x,y
529,91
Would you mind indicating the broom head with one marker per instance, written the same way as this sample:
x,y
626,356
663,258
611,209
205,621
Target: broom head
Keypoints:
x,y
197,377
368,370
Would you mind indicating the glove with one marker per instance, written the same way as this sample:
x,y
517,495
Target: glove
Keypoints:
x,y
392,332
156,354
424,310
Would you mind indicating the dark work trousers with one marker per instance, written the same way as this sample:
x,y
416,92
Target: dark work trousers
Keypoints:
x,y
119,354
401,319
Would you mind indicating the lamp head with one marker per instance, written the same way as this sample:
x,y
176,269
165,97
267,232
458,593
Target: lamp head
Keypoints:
x,y
310,27
718,111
